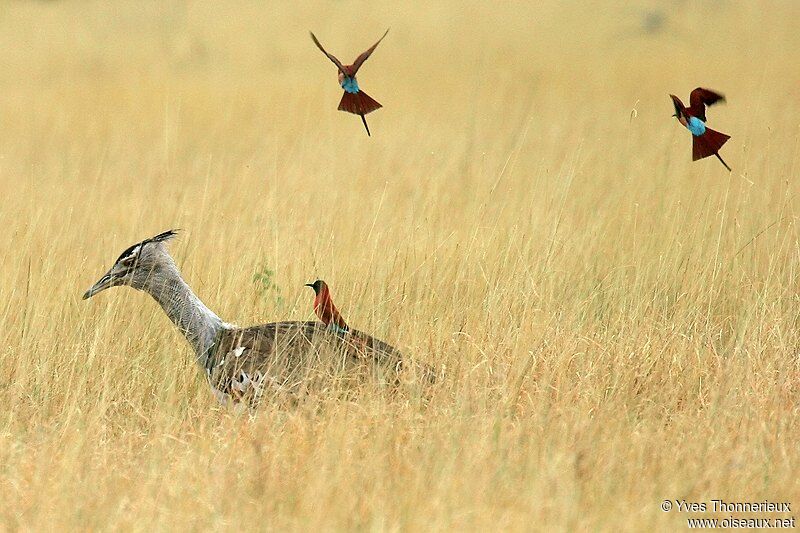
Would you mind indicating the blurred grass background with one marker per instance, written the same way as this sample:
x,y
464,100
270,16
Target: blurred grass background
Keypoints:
x,y
616,324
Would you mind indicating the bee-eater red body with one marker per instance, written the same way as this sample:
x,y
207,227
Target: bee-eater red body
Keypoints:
x,y
705,141
324,308
354,100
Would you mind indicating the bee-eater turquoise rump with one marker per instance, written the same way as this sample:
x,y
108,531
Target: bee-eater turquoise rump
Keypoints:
x,y
354,100
324,308
705,141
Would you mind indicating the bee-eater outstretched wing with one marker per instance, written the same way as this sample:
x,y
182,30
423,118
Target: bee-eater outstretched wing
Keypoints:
x,y
330,56
363,57
700,98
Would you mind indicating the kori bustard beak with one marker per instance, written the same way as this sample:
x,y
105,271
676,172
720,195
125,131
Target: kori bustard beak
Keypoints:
x,y
102,284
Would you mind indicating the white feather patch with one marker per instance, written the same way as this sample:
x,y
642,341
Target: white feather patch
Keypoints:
x,y
245,382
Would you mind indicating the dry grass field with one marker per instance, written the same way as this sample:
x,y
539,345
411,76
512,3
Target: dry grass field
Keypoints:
x,y
614,324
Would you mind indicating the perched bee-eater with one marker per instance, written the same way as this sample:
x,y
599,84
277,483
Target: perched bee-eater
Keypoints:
x,y
705,141
354,100
324,308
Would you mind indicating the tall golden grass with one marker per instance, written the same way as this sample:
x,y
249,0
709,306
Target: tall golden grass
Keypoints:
x,y
615,324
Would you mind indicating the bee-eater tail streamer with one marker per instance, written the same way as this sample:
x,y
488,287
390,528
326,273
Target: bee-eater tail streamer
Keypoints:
x,y
364,120
723,162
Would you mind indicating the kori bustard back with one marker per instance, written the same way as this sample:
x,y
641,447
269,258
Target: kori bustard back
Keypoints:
x,y
241,364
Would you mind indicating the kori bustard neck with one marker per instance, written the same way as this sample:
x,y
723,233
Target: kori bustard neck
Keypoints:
x,y
199,324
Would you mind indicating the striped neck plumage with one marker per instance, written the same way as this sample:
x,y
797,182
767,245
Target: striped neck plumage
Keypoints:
x,y
199,324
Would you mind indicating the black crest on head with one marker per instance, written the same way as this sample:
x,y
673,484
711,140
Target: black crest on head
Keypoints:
x,y
133,251
162,237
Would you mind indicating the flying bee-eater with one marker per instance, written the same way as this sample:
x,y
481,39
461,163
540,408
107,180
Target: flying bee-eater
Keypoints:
x,y
705,141
354,100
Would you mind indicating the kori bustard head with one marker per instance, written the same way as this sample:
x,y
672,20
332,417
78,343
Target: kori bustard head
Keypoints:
x,y
138,265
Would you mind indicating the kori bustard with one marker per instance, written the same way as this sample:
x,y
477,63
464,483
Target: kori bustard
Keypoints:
x,y
241,364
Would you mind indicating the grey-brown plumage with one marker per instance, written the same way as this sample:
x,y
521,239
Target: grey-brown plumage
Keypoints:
x,y
243,364
287,356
